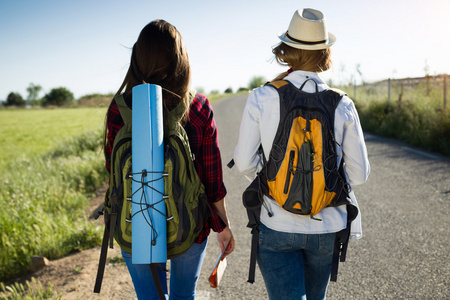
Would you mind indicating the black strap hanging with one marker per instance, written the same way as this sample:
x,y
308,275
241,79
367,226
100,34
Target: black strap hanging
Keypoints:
x,y
157,281
340,250
102,262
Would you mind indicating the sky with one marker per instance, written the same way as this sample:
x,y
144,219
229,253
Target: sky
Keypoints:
x,y
85,45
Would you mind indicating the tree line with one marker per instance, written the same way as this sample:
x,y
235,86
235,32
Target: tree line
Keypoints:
x,y
255,81
61,96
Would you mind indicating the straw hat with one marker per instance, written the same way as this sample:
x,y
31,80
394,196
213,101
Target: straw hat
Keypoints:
x,y
308,30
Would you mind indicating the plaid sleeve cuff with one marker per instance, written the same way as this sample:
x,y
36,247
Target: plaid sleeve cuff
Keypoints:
x,y
216,223
221,193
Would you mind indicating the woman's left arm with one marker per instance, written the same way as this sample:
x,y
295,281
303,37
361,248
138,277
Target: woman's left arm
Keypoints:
x,y
225,234
211,172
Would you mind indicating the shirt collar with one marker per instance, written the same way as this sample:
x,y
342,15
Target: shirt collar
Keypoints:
x,y
300,75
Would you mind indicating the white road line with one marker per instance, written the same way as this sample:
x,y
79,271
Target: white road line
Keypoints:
x,y
405,147
420,152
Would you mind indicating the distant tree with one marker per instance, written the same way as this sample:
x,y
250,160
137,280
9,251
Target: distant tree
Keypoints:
x,y
228,91
242,89
256,81
14,99
426,68
95,100
33,93
214,92
330,82
343,75
59,97
360,73
200,90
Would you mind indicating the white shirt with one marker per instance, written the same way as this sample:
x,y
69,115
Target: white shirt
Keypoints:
x,y
259,125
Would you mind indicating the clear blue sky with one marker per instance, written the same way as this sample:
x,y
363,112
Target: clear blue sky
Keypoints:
x,y
84,45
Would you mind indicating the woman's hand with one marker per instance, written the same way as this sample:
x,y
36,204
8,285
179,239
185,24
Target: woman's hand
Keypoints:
x,y
222,238
225,235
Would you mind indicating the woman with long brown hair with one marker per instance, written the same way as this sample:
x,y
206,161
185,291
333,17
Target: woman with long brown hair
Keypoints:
x,y
160,57
295,251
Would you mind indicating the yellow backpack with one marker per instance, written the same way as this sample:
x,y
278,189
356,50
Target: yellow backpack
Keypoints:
x,y
302,174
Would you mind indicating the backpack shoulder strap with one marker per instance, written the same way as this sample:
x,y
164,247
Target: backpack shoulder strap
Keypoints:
x,y
340,92
125,111
277,84
336,96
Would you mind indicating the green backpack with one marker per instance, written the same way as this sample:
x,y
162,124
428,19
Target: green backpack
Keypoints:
x,y
187,208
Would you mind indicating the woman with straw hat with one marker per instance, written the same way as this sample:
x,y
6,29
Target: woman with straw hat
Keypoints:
x,y
295,252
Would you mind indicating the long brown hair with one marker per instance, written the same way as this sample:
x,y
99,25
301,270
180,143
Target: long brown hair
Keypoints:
x,y
159,57
299,59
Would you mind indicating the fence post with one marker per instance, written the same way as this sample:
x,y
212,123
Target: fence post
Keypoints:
x,y
389,94
445,91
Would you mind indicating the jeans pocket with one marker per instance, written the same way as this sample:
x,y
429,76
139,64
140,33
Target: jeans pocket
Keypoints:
x,y
326,242
275,240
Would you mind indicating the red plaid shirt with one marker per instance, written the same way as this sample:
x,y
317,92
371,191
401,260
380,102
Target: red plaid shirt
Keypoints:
x,y
202,132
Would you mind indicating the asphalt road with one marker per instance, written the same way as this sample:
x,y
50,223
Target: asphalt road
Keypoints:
x,y
405,206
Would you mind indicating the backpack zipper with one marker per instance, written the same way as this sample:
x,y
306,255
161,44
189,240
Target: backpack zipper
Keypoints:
x,y
289,171
173,157
113,154
321,111
182,149
123,159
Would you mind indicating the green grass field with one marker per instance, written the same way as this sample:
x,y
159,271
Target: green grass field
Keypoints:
x,y
24,133
51,161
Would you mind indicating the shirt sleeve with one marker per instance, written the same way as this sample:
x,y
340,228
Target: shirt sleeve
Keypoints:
x,y
246,154
113,124
204,141
213,176
350,137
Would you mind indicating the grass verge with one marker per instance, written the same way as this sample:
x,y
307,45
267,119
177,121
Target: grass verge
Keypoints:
x,y
414,115
43,202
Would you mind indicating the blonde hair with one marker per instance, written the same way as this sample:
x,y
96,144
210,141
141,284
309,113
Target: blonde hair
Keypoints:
x,y
299,59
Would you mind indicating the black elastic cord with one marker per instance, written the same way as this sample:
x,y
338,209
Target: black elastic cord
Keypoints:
x,y
144,206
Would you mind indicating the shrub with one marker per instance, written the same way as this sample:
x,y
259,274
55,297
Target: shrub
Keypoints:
x,y
256,81
58,97
14,99
412,116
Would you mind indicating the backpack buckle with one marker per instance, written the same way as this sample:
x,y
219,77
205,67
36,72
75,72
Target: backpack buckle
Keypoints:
x,y
98,213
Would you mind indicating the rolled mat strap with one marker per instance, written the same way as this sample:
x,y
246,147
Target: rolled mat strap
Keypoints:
x,y
102,262
254,249
340,250
157,281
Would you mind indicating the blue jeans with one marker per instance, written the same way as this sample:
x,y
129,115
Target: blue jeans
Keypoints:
x,y
294,265
184,273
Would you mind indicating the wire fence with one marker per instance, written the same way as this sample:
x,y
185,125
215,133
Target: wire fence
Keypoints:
x,y
420,89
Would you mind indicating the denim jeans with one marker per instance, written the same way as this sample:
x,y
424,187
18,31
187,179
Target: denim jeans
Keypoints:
x,y
294,265
184,273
